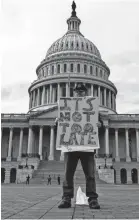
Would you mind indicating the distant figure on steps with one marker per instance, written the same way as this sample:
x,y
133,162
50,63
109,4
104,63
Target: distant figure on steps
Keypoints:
x,y
49,180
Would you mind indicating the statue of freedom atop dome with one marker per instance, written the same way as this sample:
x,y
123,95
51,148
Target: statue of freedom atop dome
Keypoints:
x,y
73,9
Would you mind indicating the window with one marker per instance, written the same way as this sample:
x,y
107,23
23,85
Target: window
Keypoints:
x,y
46,70
96,71
67,45
91,47
78,68
77,45
65,68
72,45
62,46
82,46
85,69
52,70
71,67
91,70
58,68
87,46
63,91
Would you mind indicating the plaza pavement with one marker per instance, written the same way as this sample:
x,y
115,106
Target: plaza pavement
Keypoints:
x,y
41,201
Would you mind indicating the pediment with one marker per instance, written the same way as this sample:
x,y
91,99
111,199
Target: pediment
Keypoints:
x,y
49,113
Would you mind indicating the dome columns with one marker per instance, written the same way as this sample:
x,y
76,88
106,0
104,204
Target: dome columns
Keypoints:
x,y
50,93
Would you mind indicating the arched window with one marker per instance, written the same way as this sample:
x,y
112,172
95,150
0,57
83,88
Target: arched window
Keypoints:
x,y
62,45
77,45
72,45
71,67
91,47
52,70
101,73
82,46
13,175
87,46
78,68
123,175
47,70
58,68
91,70
134,175
85,68
96,71
65,68
67,45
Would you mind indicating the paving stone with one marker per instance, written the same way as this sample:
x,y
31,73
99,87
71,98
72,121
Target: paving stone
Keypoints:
x,y
31,202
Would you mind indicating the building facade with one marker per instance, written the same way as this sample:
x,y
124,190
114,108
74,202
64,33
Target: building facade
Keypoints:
x,y
27,139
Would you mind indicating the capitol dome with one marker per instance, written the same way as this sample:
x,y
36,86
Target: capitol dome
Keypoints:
x,y
69,60
73,41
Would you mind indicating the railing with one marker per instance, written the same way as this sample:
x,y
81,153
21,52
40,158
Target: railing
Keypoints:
x,y
103,156
124,116
12,115
25,166
31,155
3,159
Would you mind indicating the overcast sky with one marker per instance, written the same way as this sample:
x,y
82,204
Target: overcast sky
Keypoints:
x,y
31,26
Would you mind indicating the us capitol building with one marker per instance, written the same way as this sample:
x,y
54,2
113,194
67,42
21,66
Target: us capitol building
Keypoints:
x,y
29,140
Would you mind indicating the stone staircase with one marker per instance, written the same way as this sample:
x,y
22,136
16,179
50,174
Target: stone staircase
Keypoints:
x,y
55,168
46,168
80,177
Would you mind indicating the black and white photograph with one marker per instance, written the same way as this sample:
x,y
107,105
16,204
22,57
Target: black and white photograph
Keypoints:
x,y
70,109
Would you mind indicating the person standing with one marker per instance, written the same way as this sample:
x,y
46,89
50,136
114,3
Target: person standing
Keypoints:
x,y
58,179
88,165
49,180
27,179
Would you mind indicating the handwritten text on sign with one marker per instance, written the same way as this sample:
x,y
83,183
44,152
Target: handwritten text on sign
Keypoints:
x,y
77,124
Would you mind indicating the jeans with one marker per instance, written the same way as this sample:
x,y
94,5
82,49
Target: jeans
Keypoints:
x,y
88,165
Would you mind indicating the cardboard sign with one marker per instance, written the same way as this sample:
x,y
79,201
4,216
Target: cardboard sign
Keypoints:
x,y
77,124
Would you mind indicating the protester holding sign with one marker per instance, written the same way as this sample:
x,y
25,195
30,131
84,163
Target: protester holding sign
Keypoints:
x,y
78,137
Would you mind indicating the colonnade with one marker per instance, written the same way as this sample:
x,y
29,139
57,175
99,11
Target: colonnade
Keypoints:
x,y
30,145
49,94
52,143
117,158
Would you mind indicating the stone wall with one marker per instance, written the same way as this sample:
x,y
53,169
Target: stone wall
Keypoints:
x,y
106,175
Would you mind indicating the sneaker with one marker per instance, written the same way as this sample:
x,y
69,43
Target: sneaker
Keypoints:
x,y
65,203
93,204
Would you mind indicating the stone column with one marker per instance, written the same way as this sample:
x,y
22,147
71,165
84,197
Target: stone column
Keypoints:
x,y
116,145
62,156
67,90
29,100
51,155
99,94
92,90
106,139
115,102
128,159
50,100
29,150
10,145
109,98
137,143
38,97
58,91
20,145
104,96
47,95
40,141
43,96
112,100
